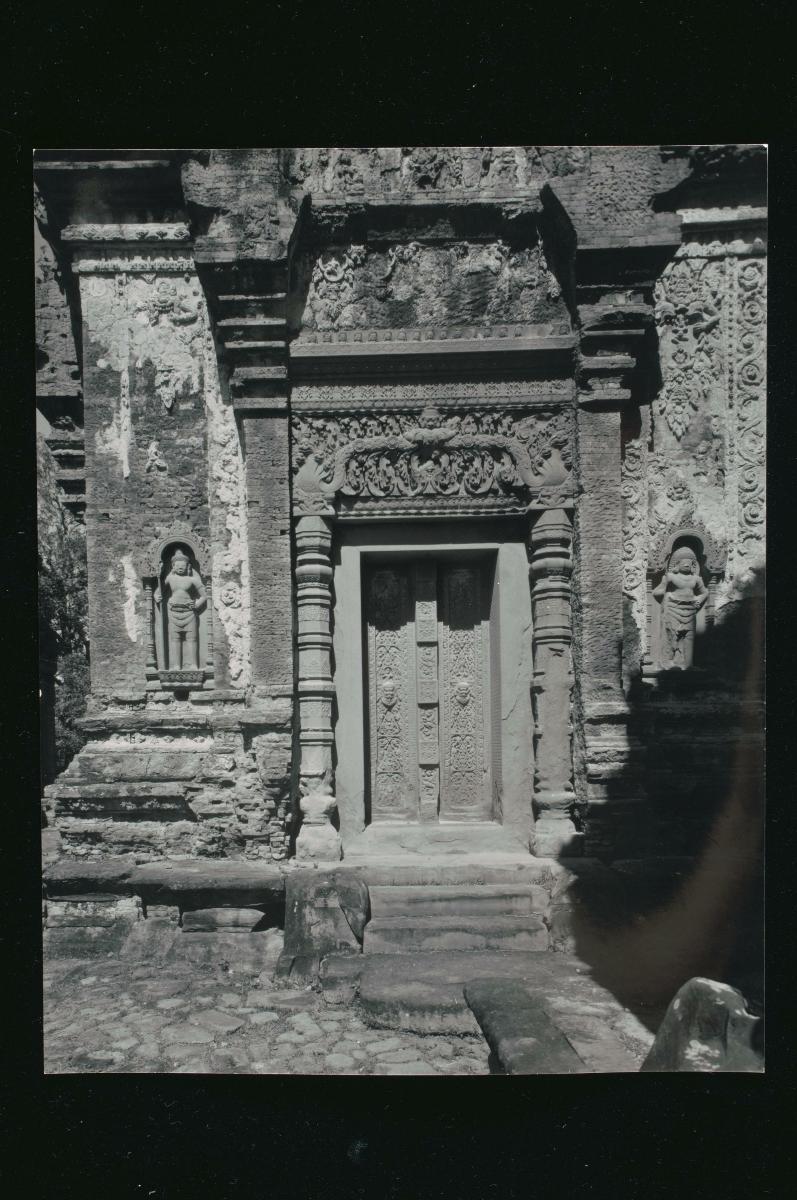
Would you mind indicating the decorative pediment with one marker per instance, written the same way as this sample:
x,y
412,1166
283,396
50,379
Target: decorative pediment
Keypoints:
x,y
150,560
477,460
715,552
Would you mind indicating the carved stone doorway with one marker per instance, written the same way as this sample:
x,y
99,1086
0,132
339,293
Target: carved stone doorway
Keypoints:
x,y
429,689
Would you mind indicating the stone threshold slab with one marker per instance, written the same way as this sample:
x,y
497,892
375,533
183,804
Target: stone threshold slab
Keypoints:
x,y
423,992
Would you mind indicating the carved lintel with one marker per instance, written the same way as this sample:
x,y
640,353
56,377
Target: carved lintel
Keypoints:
x,y
461,461
318,838
551,568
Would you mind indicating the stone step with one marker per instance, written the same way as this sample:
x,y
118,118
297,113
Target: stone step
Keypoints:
x,y
253,305
446,899
258,326
413,934
240,347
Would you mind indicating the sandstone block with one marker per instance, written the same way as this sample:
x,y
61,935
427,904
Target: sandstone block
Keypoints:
x,y
707,1028
325,913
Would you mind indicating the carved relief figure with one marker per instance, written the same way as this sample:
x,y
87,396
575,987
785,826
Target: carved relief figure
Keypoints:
x,y
682,594
184,595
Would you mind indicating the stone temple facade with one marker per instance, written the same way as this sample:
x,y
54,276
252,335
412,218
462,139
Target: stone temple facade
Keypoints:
x,y
424,499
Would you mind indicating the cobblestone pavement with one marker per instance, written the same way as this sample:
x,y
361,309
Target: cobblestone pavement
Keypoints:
x,y
104,1016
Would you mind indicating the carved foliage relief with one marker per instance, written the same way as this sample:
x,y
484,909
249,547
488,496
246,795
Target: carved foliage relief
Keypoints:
x,y
707,460
463,756
634,491
408,460
750,403
390,652
399,170
410,285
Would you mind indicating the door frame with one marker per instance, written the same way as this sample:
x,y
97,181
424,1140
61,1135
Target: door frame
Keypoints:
x,y
511,653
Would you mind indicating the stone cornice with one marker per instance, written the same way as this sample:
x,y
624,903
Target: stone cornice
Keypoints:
x,y
309,359
133,233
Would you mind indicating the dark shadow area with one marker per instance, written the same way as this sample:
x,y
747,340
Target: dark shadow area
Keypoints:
x,y
680,892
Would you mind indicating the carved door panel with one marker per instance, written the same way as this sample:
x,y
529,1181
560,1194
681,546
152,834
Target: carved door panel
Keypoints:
x,y
465,790
429,691
391,692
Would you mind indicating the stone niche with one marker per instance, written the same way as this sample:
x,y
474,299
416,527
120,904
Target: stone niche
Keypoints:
x,y
685,572
178,609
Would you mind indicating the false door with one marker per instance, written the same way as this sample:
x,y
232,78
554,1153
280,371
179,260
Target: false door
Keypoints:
x,y
429,690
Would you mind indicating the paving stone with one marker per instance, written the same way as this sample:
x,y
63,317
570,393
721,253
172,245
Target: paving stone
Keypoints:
x,y
194,1066
383,1044
216,1021
406,1054
339,1062
289,998
304,1021
172,1002
126,1044
231,1058
291,1036
286,1050
416,1067
180,1051
312,1048
186,1033
263,1018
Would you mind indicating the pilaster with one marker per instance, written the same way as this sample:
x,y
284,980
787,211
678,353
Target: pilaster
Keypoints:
x,y
614,295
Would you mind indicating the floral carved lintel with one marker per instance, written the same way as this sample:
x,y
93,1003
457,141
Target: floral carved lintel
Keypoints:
x,y
466,461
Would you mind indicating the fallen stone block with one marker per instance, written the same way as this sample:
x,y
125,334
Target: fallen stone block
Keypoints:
x,y
707,1028
325,913
340,978
519,1032
205,920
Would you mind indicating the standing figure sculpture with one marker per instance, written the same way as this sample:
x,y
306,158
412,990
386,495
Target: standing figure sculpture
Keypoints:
x,y
185,597
682,594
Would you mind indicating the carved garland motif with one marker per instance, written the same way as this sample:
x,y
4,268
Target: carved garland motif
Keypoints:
x,y
750,385
389,603
462,690
689,299
478,456
634,492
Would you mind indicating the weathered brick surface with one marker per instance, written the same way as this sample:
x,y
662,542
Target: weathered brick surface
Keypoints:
x,y
269,527
57,366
